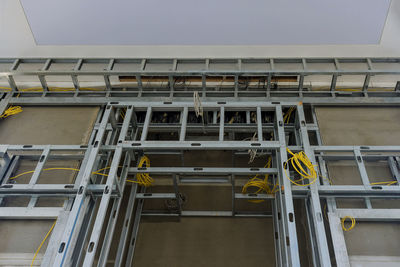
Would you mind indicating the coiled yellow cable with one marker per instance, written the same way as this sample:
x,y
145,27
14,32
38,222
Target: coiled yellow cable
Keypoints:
x,y
353,223
12,110
262,185
143,179
303,166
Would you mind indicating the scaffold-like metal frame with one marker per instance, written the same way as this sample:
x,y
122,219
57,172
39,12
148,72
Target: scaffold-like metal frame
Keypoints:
x,y
86,222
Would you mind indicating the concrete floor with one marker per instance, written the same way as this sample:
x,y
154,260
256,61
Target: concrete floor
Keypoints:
x,y
364,126
40,125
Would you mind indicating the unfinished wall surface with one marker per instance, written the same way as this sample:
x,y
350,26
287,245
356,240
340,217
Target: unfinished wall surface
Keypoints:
x,y
364,126
40,125
205,242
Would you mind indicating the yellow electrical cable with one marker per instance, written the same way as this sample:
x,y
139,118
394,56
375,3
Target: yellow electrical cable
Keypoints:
x,y
70,89
143,179
47,169
375,183
303,166
325,213
61,168
286,118
5,88
53,89
41,244
387,183
371,89
262,185
12,110
353,223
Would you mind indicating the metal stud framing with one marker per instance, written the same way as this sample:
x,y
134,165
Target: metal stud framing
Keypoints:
x,y
85,225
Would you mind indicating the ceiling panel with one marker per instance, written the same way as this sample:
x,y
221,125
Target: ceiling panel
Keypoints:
x,y
206,22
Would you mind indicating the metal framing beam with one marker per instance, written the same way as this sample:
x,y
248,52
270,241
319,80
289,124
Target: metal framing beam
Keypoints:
x,y
115,140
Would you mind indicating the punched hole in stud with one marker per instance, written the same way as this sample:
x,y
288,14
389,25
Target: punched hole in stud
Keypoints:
x,y
195,144
319,216
61,248
291,217
91,246
377,187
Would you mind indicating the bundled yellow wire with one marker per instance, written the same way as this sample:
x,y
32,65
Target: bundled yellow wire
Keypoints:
x,y
123,113
41,244
286,118
262,185
143,179
353,223
303,166
12,110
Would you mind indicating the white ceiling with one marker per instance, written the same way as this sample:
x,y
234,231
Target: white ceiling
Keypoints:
x,y
16,40
206,22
